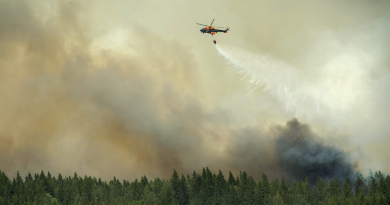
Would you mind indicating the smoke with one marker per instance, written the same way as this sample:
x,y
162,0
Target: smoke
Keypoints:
x,y
303,155
77,96
76,102
337,86
300,152
292,150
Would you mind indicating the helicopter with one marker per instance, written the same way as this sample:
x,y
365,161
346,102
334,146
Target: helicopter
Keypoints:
x,y
211,30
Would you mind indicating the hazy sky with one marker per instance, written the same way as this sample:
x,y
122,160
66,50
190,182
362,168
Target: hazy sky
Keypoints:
x,y
127,88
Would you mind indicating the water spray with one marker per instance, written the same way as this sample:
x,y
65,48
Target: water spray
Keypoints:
x,y
294,88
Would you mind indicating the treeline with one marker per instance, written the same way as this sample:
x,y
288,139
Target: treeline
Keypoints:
x,y
200,188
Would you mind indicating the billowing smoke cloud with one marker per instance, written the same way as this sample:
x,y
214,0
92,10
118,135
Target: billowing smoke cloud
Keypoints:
x,y
77,95
72,101
292,150
302,154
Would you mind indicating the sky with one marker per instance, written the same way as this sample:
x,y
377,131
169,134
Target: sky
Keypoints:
x,y
133,88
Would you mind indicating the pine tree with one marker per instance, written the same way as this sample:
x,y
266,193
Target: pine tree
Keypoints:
x,y
134,194
358,186
382,199
243,186
157,185
42,176
204,175
322,192
300,188
250,191
278,200
144,182
293,189
136,190
220,189
196,186
315,195
373,198
361,198
259,194
373,187
283,190
184,198
265,188
270,200
29,177
60,193
149,196
384,190
274,187
50,187
20,188
168,198
335,188
88,186
300,199
176,186
231,180
233,197
208,187
307,190
347,186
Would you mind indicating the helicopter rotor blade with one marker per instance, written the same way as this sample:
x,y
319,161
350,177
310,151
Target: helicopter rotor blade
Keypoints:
x,y
212,22
210,26
201,24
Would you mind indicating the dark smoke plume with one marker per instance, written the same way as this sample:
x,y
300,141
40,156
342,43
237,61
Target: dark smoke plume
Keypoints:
x,y
302,155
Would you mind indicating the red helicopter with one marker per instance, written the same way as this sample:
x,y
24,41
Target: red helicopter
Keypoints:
x,y
211,30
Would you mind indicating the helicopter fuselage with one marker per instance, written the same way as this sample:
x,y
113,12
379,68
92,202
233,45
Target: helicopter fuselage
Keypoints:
x,y
212,31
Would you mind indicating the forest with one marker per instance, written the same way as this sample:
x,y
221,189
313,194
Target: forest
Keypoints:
x,y
200,188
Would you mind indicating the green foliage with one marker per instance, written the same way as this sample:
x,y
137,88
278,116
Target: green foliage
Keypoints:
x,y
265,188
233,198
373,188
300,200
231,180
49,200
249,192
335,188
149,196
274,187
283,190
221,189
196,185
176,186
307,191
278,200
347,186
167,199
207,188
359,184
258,199
383,190
183,192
